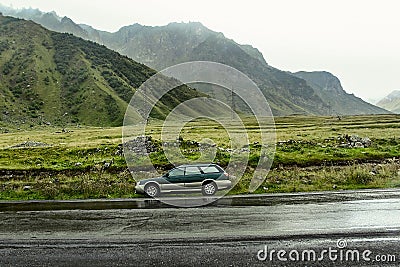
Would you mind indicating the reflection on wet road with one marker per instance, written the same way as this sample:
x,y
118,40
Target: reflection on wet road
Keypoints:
x,y
213,222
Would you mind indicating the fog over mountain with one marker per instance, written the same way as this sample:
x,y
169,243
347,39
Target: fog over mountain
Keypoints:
x,y
391,102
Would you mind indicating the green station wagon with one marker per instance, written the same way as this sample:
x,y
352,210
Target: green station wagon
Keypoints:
x,y
209,178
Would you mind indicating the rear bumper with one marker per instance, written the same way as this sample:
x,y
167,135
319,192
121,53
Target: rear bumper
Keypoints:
x,y
223,184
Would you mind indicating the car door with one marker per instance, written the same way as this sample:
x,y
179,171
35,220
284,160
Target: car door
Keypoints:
x,y
175,178
193,176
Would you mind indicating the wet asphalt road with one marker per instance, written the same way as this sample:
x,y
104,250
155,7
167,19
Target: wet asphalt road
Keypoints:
x,y
207,236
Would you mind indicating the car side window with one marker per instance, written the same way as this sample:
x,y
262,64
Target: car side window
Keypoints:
x,y
192,170
210,169
176,172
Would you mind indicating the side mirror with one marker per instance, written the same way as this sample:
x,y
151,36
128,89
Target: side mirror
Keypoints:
x,y
166,175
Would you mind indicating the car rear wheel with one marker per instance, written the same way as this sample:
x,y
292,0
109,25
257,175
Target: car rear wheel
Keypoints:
x,y
209,189
152,190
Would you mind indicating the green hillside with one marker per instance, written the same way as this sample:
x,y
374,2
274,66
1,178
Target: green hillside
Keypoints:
x,y
55,78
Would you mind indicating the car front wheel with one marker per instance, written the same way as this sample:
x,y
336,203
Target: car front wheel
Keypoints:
x,y
209,189
152,190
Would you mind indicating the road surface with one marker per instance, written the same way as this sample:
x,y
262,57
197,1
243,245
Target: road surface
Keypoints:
x,y
206,236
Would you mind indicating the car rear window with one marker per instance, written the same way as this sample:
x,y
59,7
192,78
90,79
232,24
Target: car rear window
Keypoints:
x,y
210,169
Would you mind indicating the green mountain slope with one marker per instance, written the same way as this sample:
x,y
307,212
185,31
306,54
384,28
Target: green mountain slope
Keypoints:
x,y
329,88
391,102
55,78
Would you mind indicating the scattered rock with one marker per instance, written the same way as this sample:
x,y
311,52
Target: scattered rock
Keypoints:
x,y
358,144
119,151
291,141
244,150
366,141
374,171
107,165
354,138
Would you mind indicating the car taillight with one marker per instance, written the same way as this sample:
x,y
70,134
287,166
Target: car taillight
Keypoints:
x,y
226,174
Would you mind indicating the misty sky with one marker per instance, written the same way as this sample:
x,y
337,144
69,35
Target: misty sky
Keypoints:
x,y
358,41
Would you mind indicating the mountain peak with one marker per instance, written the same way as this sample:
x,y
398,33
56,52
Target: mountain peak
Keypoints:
x,y
185,24
65,19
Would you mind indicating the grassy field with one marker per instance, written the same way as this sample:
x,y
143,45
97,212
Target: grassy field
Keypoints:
x,y
312,153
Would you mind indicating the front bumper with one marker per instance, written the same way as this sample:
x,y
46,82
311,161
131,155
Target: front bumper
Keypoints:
x,y
139,189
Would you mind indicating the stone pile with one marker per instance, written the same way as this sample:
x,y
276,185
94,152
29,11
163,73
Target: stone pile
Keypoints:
x,y
141,145
355,141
